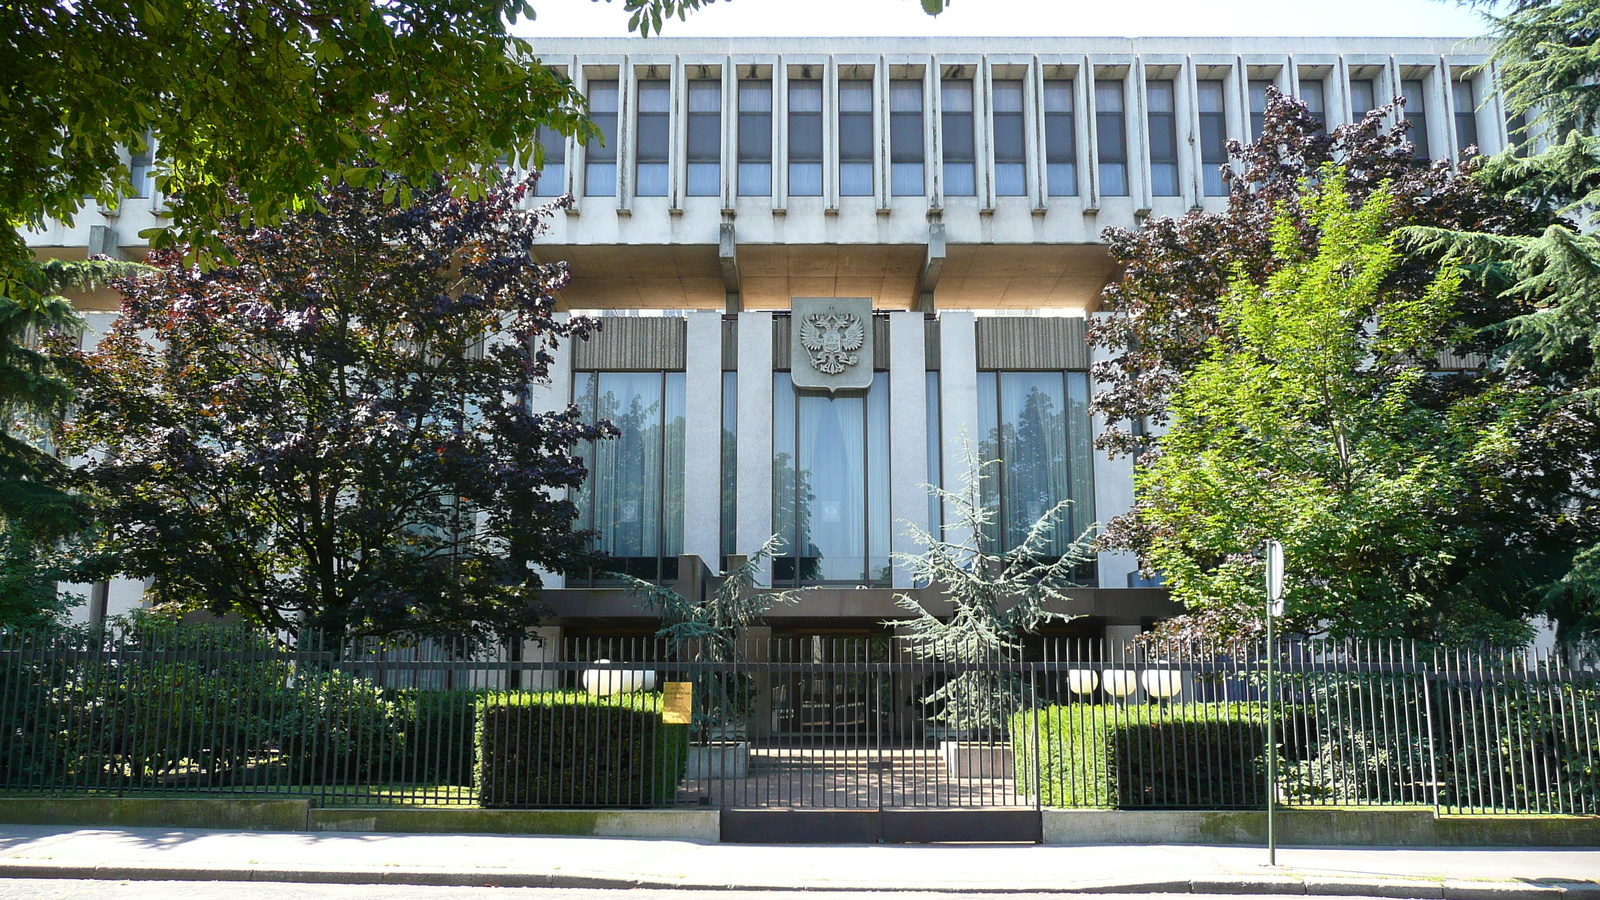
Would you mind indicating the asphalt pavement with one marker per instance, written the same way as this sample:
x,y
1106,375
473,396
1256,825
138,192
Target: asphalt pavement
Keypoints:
x,y
584,862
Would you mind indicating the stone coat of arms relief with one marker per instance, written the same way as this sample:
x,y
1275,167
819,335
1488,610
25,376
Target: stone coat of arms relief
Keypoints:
x,y
831,342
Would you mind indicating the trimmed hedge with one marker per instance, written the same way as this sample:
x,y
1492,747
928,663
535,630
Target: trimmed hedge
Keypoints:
x,y
1132,757
573,749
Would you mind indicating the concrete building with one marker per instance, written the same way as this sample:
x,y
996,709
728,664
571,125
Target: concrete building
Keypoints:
x,y
825,266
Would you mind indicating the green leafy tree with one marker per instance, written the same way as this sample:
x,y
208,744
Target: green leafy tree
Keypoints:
x,y
333,433
1547,58
1310,420
996,595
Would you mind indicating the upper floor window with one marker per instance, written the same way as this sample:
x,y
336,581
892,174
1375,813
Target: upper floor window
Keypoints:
x,y
1213,136
1060,140
855,137
139,161
805,138
653,138
600,156
906,154
960,142
633,497
1312,95
1163,138
1010,155
1466,114
1111,138
1258,106
705,138
1363,98
1037,425
1415,93
755,138
553,173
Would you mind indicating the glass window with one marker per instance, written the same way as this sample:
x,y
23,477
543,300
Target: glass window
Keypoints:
x,y
906,153
653,138
1010,156
855,138
960,143
1466,115
633,497
730,465
1163,138
553,176
1060,140
600,157
705,138
1258,106
1213,135
1415,93
1363,98
139,159
830,484
1312,95
935,455
1112,138
755,138
805,138
1037,425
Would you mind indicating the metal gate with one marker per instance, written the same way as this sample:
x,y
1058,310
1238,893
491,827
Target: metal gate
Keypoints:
x,y
855,739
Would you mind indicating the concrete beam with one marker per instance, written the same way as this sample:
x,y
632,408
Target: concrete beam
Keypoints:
x,y
932,265
728,257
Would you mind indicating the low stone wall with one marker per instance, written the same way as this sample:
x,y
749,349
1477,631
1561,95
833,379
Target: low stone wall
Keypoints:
x,y
157,812
1318,827
688,825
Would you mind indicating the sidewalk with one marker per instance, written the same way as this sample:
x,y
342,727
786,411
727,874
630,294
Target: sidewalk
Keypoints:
x,y
165,854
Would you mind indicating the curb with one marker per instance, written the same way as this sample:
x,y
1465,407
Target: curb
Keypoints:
x,y
1244,885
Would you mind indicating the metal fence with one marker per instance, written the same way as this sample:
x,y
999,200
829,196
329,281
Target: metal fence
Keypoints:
x,y
793,722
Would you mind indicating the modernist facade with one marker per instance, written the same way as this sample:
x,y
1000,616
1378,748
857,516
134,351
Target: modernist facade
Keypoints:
x,y
827,267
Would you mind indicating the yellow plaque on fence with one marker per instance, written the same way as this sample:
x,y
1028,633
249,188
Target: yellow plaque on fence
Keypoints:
x,y
677,702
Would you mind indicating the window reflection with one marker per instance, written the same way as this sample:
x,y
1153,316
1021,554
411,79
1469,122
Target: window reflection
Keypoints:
x,y
830,484
633,498
1037,425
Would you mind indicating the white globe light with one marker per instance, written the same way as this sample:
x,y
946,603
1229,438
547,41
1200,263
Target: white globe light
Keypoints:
x,y
1120,682
1162,683
606,682
1082,681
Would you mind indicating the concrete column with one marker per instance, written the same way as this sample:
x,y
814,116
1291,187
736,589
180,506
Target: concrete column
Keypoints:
x,y
1113,492
758,647
702,441
908,434
553,396
754,502
1117,638
958,407
542,644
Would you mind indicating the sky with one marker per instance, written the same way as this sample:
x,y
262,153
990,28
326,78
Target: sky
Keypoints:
x,y
997,18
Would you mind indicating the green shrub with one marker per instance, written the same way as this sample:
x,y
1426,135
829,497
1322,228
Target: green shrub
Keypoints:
x,y
1202,755
440,736
573,749
337,728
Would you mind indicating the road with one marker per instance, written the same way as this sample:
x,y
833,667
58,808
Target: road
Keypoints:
x,y
42,889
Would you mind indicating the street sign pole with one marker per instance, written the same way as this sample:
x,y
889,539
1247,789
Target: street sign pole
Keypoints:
x,y
1274,610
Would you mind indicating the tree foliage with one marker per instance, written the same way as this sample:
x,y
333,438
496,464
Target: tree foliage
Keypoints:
x,y
1547,58
995,596
334,433
1164,309
1313,419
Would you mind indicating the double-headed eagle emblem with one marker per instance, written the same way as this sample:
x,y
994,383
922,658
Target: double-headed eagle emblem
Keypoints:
x,y
832,338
